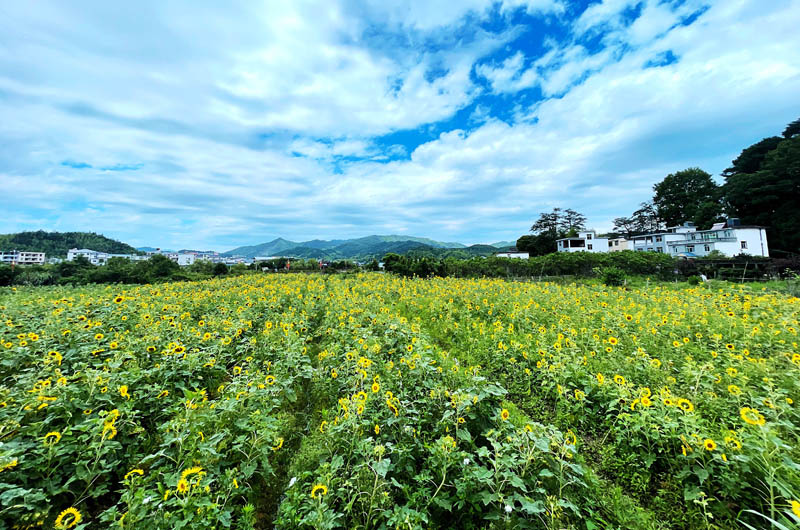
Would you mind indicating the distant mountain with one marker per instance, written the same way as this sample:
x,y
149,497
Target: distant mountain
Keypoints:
x,y
504,244
360,248
272,248
146,249
56,244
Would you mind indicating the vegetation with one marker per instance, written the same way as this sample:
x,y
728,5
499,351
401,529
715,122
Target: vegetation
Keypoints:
x,y
689,195
372,401
56,244
556,264
550,227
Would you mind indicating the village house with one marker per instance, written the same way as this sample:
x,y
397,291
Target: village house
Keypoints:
x,y
585,241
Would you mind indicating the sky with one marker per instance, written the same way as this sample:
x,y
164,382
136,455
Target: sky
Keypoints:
x,y
218,124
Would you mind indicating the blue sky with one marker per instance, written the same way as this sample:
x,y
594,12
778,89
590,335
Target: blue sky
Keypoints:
x,y
214,125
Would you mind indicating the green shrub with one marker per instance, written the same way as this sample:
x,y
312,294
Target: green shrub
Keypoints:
x,y
613,276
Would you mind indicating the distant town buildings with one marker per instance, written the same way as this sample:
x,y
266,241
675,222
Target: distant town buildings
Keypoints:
x,y
100,258
16,257
513,253
181,258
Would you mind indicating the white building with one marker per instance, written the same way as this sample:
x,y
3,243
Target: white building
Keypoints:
x,y
512,254
617,243
96,257
186,259
729,238
586,241
658,241
17,257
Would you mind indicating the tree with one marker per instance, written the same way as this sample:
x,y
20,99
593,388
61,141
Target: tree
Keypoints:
x,y
552,226
751,158
644,220
688,195
792,130
572,221
220,269
536,245
548,223
769,196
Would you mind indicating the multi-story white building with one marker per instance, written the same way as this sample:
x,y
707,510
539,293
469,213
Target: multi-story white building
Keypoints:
x,y
17,257
586,241
658,241
729,238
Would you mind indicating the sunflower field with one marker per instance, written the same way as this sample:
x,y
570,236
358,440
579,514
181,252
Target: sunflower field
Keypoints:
x,y
372,401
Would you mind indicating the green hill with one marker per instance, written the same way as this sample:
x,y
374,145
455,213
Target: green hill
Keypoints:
x,y
360,248
56,244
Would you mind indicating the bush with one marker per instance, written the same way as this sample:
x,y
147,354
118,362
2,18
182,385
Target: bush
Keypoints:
x,y
613,276
693,280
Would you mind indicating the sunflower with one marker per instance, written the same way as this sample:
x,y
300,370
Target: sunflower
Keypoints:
x,y
504,414
796,508
132,472
685,405
377,429
709,444
54,435
278,444
68,518
752,416
618,379
318,491
376,388
183,486
118,299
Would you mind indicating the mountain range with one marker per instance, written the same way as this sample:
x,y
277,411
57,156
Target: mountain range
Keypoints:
x,y
360,248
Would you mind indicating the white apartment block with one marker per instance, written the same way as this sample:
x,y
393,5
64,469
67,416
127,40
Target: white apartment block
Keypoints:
x,y
730,238
586,241
17,257
658,241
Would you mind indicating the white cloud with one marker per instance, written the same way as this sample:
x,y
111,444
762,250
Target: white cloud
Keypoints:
x,y
508,76
218,106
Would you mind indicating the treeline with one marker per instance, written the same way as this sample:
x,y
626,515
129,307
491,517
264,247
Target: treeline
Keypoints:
x,y
118,270
56,244
658,265
157,269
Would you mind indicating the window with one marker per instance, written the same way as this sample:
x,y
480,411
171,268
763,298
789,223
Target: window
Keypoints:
x,y
707,248
744,245
589,246
588,236
689,248
658,238
616,243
